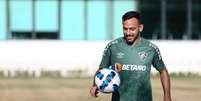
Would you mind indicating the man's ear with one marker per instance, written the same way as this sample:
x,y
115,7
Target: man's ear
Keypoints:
x,y
141,27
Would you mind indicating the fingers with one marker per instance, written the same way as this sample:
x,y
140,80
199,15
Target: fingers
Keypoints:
x,y
94,91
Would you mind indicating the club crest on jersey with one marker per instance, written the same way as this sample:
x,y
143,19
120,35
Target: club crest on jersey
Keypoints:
x,y
143,55
120,55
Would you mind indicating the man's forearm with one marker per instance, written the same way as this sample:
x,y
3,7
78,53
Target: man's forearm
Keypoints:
x,y
165,80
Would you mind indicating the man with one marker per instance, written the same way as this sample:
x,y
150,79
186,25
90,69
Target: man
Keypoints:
x,y
132,56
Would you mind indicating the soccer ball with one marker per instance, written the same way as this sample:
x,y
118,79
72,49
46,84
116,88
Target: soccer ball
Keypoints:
x,y
107,80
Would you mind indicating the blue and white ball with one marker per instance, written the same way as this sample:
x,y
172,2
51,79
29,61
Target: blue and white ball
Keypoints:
x,y
107,80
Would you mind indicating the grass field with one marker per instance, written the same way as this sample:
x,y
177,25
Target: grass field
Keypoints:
x,y
77,89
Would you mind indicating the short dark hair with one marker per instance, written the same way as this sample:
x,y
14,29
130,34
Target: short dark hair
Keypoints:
x,y
131,14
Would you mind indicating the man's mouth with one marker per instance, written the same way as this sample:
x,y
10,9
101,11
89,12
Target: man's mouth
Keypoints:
x,y
129,37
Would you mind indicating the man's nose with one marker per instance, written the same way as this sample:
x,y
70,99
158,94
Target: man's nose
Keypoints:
x,y
128,32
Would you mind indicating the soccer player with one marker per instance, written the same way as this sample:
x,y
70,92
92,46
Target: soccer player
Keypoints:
x,y
132,56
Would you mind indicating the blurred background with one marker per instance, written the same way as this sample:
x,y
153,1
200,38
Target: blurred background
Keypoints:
x,y
98,19
48,46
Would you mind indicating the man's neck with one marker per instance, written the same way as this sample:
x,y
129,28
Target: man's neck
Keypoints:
x,y
136,41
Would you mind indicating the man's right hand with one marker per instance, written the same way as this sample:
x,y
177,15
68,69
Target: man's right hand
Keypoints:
x,y
94,91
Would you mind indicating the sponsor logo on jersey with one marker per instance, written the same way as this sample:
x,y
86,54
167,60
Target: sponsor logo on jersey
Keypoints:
x,y
118,67
120,55
143,55
129,67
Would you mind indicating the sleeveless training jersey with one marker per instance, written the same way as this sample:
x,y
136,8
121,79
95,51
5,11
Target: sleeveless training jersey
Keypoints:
x,y
133,62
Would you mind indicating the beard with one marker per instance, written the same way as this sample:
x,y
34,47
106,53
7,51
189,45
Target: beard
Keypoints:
x,y
130,39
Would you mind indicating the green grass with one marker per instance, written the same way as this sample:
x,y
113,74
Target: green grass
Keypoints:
x,y
77,89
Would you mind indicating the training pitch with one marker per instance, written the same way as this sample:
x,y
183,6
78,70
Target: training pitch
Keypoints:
x,y
77,89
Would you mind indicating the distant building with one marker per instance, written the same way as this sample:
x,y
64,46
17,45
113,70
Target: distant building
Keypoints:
x,y
97,19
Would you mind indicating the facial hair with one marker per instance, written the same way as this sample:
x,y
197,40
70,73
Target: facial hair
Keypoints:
x,y
131,43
